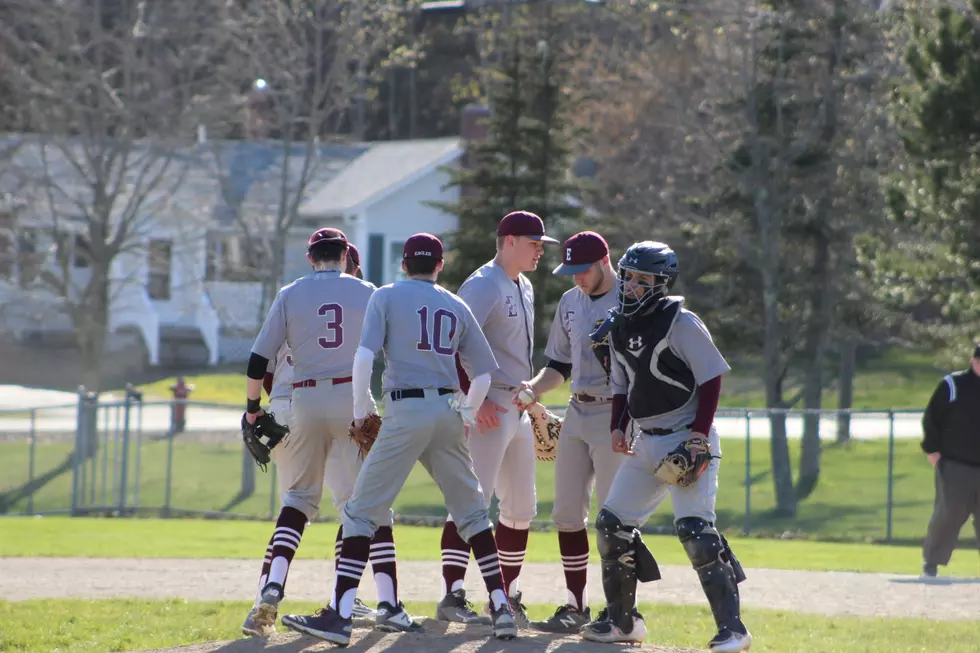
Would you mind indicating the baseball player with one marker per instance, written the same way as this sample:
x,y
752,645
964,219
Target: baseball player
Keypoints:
x,y
666,376
502,301
584,455
311,333
421,327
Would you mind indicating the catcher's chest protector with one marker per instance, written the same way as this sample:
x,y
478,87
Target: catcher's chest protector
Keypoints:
x,y
660,382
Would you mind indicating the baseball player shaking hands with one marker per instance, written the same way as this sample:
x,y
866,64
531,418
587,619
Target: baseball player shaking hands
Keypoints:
x,y
666,376
308,339
502,301
584,455
421,327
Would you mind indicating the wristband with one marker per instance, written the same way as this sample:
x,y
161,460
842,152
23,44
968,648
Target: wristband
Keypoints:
x,y
253,405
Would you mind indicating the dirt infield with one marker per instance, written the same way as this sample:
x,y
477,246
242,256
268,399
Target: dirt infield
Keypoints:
x,y
437,638
826,593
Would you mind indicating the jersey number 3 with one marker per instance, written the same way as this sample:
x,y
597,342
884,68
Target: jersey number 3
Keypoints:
x,y
335,326
440,321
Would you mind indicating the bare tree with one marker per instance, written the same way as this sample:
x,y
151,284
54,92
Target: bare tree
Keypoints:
x,y
299,71
111,88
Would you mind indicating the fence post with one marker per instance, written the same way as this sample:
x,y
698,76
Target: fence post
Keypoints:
x,y
272,493
77,459
124,466
165,512
891,475
30,461
746,528
138,398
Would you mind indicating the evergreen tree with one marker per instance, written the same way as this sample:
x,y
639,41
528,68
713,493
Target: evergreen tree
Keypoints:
x,y
936,193
524,162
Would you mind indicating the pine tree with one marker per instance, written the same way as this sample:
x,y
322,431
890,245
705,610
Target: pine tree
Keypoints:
x,y
523,164
936,193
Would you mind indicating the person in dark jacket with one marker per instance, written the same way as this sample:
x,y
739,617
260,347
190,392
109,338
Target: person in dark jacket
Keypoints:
x,y
951,426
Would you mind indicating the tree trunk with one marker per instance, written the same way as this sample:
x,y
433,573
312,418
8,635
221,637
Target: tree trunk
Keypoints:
x,y
816,337
845,395
782,468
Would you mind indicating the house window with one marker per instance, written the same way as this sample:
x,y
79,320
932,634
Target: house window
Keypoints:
x,y
395,272
232,258
158,259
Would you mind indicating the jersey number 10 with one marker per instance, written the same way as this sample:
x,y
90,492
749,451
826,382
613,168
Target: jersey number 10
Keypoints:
x,y
436,326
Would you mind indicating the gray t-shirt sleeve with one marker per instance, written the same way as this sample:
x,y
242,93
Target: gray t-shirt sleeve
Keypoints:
x,y
559,347
273,332
481,294
692,342
374,330
474,351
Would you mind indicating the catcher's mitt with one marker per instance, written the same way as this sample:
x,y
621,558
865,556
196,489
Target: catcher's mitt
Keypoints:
x,y
685,464
262,437
547,427
365,435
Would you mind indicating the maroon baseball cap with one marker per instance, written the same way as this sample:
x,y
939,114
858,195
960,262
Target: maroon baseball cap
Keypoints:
x,y
423,245
328,235
580,251
353,258
523,223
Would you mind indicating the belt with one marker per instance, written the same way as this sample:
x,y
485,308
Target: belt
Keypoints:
x,y
666,431
589,399
311,383
416,393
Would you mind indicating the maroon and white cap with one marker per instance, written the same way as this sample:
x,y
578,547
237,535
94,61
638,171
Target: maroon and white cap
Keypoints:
x,y
423,245
328,235
580,251
353,258
523,223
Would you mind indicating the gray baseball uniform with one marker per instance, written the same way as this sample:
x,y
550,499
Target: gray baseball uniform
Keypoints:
x,y
636,493
504,457
421,327
343,461
319,317
584,453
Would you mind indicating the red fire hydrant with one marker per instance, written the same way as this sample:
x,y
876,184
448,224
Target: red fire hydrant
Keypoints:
x,y
178,414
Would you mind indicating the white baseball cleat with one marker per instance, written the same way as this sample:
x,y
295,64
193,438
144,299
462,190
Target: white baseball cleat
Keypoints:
x,y
604,630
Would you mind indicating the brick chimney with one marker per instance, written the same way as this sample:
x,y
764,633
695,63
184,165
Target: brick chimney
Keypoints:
x,y
474,127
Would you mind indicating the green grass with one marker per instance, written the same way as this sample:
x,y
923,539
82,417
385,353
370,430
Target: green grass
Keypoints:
x,y
78,626
190,538
849,501
900,379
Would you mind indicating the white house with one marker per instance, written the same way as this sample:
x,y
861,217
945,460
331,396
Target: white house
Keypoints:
x,y
186,282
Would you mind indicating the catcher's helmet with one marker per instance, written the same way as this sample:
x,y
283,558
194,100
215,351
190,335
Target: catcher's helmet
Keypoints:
x,y
647,257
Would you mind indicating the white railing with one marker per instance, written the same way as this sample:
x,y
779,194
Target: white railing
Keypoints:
x,y
210,326
133,306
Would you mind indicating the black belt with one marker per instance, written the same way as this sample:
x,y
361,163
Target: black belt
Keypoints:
x,y
416,393
589,399
666,431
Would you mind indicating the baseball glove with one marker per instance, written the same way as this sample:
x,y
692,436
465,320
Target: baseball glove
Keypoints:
x,y
547,427
262,437
685,464
365,435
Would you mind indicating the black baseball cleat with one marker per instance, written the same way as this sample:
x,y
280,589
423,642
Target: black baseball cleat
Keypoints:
x,y
567,619
730,641
604,630
394,619
454,607
502,621
325,623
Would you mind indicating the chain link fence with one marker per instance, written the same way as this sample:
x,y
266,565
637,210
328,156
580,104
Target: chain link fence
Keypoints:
x,y
130,457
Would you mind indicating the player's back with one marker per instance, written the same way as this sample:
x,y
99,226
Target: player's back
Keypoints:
x,y
425,324
324,313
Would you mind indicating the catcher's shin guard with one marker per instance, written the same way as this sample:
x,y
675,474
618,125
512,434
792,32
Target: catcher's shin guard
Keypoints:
x,y
617,549
709,557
